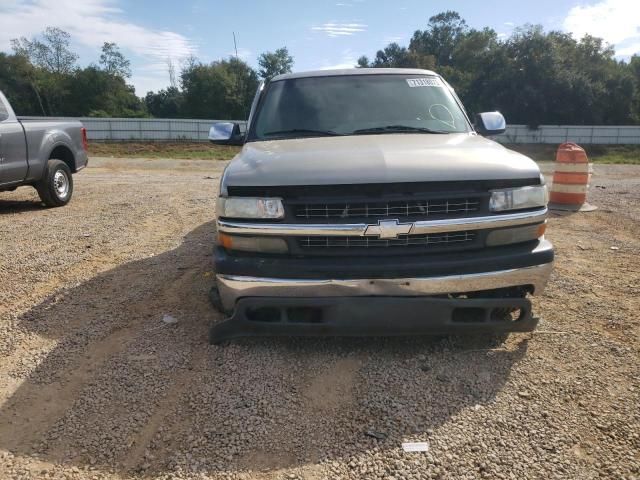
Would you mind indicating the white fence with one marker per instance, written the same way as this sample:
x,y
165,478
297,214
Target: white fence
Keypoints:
x,y
555,134
154,129
141,129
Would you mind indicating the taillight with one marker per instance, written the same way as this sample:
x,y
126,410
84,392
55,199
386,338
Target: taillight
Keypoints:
x,y
85,142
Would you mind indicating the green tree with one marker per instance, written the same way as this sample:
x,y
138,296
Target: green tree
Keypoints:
x,y
533,77
44,76
634,66
113,61
275,63
395,56
166,103
363,62
441,37
222,90
53,61
96,92
18,82
51,52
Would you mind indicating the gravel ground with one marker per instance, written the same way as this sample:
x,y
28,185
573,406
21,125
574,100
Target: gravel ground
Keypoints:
x,y
94,384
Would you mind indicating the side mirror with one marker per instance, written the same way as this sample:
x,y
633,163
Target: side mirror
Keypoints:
x,y
490,123
227,133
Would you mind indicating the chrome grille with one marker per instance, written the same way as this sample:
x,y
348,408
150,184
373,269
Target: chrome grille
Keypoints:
x,y
424,240
401,208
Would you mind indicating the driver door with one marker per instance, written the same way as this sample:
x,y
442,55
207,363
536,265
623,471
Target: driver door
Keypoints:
x,y
13,149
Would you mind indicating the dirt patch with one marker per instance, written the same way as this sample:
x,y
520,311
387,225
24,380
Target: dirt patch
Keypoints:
x,y
176,150
333,387
93,384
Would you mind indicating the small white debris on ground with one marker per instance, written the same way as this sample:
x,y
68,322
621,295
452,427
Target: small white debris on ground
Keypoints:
x,y
169,319
415,446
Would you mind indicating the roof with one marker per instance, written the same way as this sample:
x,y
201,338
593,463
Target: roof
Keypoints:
x,y
354,71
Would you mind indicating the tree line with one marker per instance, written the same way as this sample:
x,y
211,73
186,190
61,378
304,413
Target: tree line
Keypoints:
x,y
222,89
532,76
41,77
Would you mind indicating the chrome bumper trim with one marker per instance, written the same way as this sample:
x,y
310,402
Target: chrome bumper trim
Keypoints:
x,y
359,229
232,287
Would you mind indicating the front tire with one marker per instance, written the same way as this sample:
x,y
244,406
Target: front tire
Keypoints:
x,y
56,187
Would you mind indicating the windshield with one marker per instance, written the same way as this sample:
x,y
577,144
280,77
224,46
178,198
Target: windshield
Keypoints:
x,y
357,104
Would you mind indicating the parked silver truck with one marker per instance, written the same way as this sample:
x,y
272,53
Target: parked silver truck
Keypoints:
x,y
41,153
365,202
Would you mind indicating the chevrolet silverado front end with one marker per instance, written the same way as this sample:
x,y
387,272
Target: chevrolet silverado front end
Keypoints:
x,y
364,202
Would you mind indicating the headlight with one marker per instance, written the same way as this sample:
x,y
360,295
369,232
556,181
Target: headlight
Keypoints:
x,y
250,207
518,198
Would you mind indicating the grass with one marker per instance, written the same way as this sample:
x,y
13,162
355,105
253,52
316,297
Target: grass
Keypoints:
x,y
177,150
618,154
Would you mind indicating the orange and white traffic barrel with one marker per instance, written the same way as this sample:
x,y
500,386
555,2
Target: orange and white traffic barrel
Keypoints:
x,y
570,179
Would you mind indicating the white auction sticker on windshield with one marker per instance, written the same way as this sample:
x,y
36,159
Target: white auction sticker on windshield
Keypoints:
x,y
424,82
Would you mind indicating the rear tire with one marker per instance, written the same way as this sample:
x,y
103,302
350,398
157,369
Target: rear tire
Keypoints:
x,y
56,187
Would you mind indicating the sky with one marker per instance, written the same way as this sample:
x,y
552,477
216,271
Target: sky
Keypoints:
x,y
319,34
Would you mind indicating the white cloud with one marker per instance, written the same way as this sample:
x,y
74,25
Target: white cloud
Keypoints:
x,y
509,24
347,60
616,21
340,29
393,38
91,23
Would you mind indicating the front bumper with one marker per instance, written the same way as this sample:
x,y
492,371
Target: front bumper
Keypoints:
x,y
231,288
360,316
391,295
241,276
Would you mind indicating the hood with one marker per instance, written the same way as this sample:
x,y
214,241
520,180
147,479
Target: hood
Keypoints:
x,y
388,158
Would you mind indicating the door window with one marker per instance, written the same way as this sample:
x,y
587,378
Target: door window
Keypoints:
x,y
3,112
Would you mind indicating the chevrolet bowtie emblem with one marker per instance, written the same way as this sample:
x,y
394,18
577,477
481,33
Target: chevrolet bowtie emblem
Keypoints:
x,y
389,229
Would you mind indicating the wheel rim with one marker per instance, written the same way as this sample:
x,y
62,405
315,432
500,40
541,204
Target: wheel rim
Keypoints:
x,y
61,184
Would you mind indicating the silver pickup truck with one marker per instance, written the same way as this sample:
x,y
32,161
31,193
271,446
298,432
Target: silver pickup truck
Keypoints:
x,y
42,154
365,202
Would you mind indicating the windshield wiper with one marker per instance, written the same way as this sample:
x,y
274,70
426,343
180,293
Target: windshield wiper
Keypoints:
x,y
304,131
397,128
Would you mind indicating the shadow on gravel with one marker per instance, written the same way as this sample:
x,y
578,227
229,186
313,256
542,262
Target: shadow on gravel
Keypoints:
x,y
18,206
109,385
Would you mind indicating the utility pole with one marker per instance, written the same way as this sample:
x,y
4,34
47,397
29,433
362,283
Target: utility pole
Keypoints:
x,y
240,82
235,45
